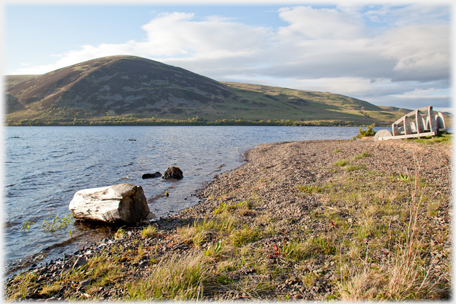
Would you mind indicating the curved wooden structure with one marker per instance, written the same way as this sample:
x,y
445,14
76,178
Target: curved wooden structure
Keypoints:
x,y
423,122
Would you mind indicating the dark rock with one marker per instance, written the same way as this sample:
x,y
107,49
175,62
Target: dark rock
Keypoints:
x,y
173,172
81,261
151,175
36,295
85,283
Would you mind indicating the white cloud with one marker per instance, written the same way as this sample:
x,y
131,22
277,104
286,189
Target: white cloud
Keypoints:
x,y
177,33
309,23
76,56
421,52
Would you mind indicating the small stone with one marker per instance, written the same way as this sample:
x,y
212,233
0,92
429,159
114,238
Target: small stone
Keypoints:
x,y
85,283
50,299
81,261
143,264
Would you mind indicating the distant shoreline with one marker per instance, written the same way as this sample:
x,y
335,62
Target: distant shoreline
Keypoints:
x,y
166,122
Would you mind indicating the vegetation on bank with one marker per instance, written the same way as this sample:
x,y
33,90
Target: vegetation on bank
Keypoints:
x,y
441,138
195,121
375,236
366,133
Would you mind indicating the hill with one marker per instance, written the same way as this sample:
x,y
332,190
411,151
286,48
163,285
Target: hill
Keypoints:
x,y
284,103
12,80
135,90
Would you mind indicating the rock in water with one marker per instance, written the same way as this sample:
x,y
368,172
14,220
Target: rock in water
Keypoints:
x,y
173,172
118,204
151,175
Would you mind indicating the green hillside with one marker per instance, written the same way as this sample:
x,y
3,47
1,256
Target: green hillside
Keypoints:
x,y
267,102
11,80
131,90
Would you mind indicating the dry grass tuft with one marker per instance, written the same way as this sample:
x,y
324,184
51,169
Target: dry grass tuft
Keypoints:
x,y
178,278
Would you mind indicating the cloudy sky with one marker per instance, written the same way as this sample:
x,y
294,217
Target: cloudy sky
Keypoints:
x,y
385,53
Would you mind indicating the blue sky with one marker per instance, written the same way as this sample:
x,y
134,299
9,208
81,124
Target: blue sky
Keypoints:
x,y
384,53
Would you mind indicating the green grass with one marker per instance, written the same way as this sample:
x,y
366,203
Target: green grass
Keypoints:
x,y
175,279
57,223
244,235
355,167
149,231
341,163
120,233
442,138
362,155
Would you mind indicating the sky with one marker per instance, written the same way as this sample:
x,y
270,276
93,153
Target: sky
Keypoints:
x,y
386,53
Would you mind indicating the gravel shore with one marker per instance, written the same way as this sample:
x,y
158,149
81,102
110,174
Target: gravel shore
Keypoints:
x,y
292,163
291,218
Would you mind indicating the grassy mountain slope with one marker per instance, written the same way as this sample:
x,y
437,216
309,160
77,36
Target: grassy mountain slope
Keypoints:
x,y
129,89
11,80
269,102
115,85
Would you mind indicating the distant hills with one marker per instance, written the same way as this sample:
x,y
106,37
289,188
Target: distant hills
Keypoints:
x,y
119,90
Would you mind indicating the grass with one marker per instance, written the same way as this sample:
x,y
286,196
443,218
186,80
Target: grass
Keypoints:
x,y
245,235
341,163
402,276
120,233
174,279
355,167
362,155
391,219
405,274
312,189
441,138
149,231
26,282
57,223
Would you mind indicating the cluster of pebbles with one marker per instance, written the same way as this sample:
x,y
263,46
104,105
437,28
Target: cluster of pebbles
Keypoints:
x,y
270,174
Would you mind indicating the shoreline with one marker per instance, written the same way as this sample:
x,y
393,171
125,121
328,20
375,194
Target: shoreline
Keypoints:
x,y
272,228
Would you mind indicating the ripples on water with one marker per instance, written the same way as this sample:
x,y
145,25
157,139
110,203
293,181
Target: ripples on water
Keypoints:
x,y
45,166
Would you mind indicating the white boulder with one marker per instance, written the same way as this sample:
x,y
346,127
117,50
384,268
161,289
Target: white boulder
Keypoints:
x,y
118,204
